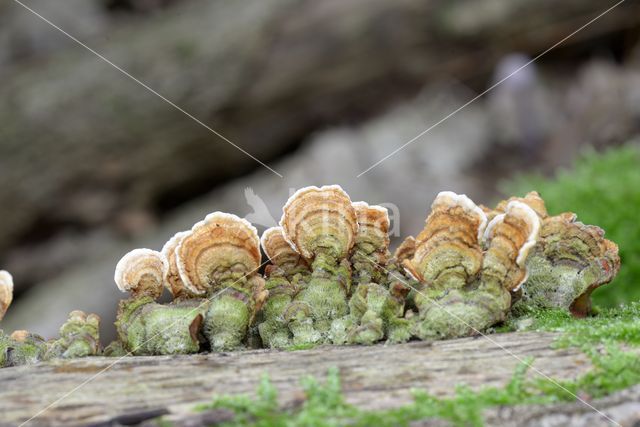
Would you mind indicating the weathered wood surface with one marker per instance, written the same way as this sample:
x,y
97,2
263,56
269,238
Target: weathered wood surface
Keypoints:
x,y
622,407
373,377
82,144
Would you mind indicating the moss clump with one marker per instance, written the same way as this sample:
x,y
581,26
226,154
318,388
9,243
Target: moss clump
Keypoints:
x,y
603,189
610,326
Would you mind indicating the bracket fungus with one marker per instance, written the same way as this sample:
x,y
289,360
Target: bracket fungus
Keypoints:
x,y
21,348
145,327
172,281
79,337
376,308
466,289
285,275
141,272
321,225
284,259
406,250
320,222
220,258
569,262
371,248
465,271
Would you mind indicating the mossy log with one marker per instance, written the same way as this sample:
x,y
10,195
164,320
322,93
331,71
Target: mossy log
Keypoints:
x,y
80,143
136,389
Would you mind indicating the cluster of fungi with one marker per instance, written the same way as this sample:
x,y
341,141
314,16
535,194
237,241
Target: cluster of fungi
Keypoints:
x,y
331,279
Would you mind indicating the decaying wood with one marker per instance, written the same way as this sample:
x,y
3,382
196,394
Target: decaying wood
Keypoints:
x,y
138,388
81,143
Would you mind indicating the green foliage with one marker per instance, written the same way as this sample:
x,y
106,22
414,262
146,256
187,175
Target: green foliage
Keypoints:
x,y
614,369
604,190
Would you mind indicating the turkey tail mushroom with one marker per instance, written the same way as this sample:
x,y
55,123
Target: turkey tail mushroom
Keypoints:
x,y
509,238
448,248
570,261
217,248
279,251
373,230
320,220
141,272
172,281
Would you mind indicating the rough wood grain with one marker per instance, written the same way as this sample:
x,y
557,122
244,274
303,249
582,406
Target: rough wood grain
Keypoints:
x,y
622,407
373,377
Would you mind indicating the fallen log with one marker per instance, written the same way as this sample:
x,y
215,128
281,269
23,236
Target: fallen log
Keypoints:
x,y
377,377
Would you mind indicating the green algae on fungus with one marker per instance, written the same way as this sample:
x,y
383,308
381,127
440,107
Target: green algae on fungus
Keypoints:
x,y
148,328
219,259
569,261
79,337
21,348
144,326
466,289
285,275
376,308
321,225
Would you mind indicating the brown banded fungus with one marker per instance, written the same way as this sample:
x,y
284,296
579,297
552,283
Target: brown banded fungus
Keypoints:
x,y
376,308
321,225
144,326
219,259
467,267
285,275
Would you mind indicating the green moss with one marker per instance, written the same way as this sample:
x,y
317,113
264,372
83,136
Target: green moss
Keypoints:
x,y
297,347
614,369
604,190
610,326
325,404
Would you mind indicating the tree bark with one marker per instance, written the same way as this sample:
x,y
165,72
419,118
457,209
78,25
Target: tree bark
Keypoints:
x,y
80,142
377,377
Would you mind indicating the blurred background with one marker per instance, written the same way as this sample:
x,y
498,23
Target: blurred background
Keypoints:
x,y
92,164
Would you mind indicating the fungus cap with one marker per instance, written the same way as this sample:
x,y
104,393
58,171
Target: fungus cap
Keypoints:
x,y
141,272
320,219
451,237
172,281
373,226
219,244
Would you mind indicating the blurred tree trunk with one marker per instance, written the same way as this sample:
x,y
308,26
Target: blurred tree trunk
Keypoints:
x,y
80,143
